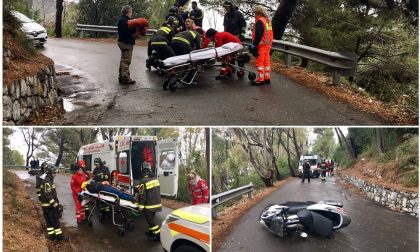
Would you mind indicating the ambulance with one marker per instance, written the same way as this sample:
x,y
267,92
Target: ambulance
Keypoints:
x,y
314,161
126,155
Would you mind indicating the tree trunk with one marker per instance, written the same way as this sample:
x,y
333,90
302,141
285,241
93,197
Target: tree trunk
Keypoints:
x,y
349,146
339,138
60,150
58,18
281,17
297,147
380,141
292,172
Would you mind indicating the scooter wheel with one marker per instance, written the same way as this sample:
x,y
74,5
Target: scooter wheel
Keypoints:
x,y
252,76
173,85
240,74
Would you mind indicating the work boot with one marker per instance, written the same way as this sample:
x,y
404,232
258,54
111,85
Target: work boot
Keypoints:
x,y
154,237
267,82
127,81
148,233
62,237
257,83
51,237
220,77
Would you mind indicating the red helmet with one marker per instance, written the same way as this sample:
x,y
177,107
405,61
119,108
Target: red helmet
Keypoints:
x,y
81,164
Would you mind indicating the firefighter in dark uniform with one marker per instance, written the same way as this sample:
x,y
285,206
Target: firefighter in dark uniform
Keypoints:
x,y
100,174
234,21
149,200
196,14
186,41
160,41
323,169
50,206
306,171
38,179
174,12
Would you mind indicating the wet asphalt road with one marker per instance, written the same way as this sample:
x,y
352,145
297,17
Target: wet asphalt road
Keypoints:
x,y
102,236
100,100
373,227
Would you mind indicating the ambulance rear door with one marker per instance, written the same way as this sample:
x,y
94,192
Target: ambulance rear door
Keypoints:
x,y
167,168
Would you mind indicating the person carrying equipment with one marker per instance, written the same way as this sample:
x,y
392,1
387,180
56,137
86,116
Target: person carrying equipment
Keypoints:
x,y
77,180
149,201
159,42
50,205
262,39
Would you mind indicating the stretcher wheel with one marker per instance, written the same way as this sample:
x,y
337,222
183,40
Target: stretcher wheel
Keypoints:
x,y
101,217
130,226
148,64
173,85
240,74
252,76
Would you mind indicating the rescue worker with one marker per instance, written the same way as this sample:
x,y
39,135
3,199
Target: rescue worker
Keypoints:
x,y
186,41
160,41
174,12
149,201
219,39
196,14
332,167
306,171
38,179
199,189
100,174
323,169
127,31
96,187
184,14
191,26
50,205
234,21
262,39
77,180
328,168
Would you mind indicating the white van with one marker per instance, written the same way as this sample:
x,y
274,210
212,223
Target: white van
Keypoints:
x,y
314,161
124,158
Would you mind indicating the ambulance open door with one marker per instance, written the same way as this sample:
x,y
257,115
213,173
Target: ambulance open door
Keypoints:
x,y
167,168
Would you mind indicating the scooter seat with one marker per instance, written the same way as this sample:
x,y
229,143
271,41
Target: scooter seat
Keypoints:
x,y
295,209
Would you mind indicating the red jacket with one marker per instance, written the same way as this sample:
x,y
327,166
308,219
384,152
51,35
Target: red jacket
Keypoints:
x,y
222,38
200,192
76,182
148,156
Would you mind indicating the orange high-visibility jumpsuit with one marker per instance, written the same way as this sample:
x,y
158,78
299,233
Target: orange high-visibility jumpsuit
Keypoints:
x,y
263,60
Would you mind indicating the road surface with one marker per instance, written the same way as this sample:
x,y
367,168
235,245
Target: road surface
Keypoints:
x,y
373,227
95,97
102,236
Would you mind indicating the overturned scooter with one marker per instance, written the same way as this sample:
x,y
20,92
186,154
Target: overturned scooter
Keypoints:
x,y
320,218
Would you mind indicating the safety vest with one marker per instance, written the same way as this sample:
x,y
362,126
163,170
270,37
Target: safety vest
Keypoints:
x,y
48,192
267,38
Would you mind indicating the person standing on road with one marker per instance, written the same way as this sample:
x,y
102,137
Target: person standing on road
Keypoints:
x,y
262,40
76,188
306,171
149,201
196,14
127,31
234,21
198,188
323,169
50,205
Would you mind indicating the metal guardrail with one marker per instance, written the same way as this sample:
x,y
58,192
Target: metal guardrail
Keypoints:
x,y
221,198
60,168
339,63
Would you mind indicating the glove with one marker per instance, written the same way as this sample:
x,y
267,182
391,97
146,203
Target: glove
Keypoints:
x,y
55,205
253,50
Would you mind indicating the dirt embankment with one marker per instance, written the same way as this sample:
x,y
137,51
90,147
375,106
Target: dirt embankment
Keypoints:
x,y
226,220
388,175
23,222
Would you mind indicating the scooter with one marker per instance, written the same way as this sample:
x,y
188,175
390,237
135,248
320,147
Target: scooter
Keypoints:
x,y
315,217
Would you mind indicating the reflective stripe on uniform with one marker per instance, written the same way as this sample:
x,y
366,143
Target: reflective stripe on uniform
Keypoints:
x,y
181,39
154,228
159,43
193,34
45,204
58,231
152,184
192,217
165,30
153,206
190,232
51,201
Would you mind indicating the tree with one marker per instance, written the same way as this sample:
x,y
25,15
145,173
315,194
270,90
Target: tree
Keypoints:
x,y
282,16
380,141
58,18
347,143
324,144
32,137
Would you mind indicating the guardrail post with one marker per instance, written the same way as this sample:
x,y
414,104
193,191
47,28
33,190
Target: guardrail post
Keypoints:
x,y
81,34
250,195
288,58
336,77
213,213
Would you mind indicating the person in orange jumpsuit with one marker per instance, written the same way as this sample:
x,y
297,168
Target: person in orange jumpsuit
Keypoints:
x,y
262,39
199,189
77,180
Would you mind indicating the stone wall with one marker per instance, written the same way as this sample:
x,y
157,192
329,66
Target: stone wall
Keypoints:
x,y
22,97
396,200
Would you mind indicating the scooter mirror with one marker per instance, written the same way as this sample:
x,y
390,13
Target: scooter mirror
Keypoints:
x,y
303,235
